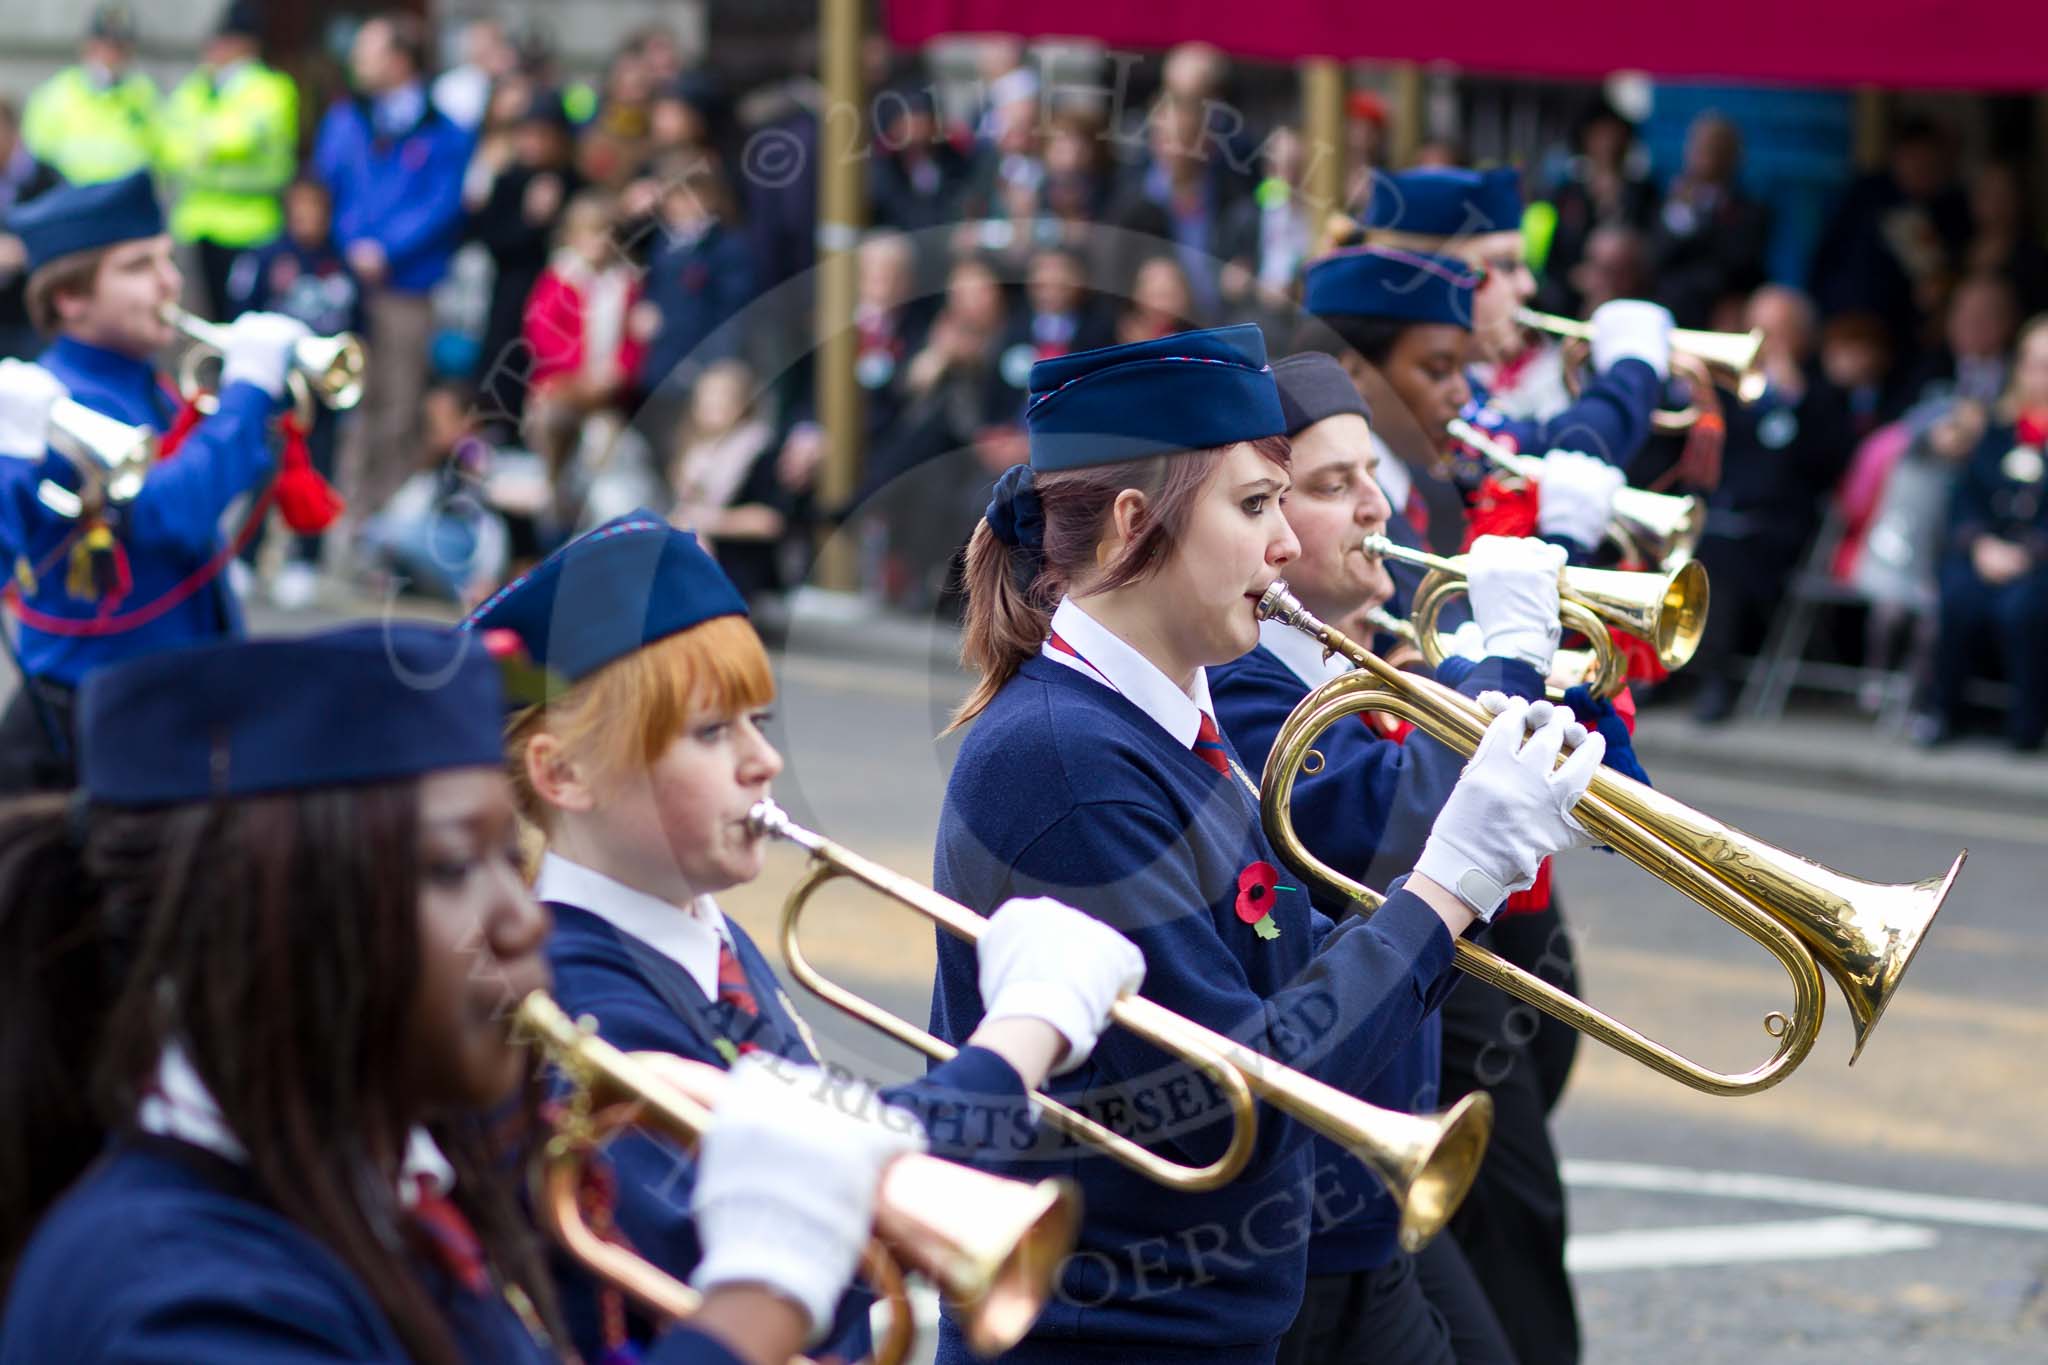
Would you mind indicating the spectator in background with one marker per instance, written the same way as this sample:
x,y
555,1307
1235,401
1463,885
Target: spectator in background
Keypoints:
x,y
96,120
1994,583
1160,302
699,278
1614,264
1856,357
660,54
1076,189
22,178
1710,237
578,331
1783,455
517,224
1974,359
614,145
494,151
1268,235
1365,141
394,166
1059,316
916,175
1603,186
725,483
1176,200
437,537
229,146
303,274
1895,239
463,92
890,324
2002,236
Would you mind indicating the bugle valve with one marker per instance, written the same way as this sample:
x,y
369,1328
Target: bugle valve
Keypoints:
x,y
1426,1161
1809,917
990,1244
329,368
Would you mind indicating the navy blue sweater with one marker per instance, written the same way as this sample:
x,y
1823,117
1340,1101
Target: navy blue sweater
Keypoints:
x,y
1366,813
1610,419
643,1000
1066,788
163,1252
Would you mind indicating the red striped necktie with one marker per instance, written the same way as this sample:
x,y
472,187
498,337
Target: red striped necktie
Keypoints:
x,y
450,1238
733,989
1209,746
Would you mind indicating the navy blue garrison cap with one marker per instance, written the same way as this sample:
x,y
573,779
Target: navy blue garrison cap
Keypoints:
x,y
1385,282
632,581
376,702
81,217
1441,201
1187,391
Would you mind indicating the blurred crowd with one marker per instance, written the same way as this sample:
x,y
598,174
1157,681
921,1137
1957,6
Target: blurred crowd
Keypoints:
x,y
584,296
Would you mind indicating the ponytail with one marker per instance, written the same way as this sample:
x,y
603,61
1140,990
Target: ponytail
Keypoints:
x,y
1038,542
55,976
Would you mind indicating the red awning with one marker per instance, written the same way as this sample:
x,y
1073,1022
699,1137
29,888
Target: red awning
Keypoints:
x,y
1916,44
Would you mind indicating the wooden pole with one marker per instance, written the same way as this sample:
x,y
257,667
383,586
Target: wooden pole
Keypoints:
x,y
841,211
1322,135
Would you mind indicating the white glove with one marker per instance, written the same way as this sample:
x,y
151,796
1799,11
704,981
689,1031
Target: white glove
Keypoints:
x,y
1537,716
259,350
1632,329
1513,584
1511,809
1047,961
1468,642
27,393
786,1179
1575,496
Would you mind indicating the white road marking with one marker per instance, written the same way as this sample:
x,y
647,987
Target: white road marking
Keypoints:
x,y
1809,1239
1781,1189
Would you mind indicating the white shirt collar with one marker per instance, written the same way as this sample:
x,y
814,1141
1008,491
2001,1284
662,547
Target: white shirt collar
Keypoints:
x,y
1394,479
687,935
180,1106
1106,658
1302,655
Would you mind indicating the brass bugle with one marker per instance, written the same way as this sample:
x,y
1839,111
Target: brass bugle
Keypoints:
x,y
1667,610
1661,530
991,1245
1733,355
1811,918
331,367
1426,1161
112,458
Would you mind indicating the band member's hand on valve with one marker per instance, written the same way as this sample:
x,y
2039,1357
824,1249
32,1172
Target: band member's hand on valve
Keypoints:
x,y
1044,960
1576,496
27,393
1632,329
1513,584
259,350
1511,808
786,1179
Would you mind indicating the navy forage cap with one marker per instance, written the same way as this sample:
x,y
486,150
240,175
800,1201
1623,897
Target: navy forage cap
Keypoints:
x,y
1313,386
80,217
632,581
1442,201
1387,282
376,702
1188,391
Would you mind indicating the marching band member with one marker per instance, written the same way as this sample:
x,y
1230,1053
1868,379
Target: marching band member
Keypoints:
x,y
1476,216
638,753
282,922
1109,573
1367,811
117,581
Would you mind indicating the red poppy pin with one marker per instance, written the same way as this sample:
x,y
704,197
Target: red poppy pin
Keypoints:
x,y
1257,886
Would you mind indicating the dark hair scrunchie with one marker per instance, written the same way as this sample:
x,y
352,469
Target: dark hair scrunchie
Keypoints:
x,y
1017,518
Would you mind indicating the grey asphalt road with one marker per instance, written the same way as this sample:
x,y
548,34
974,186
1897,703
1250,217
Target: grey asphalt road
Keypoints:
x,y
1894,1212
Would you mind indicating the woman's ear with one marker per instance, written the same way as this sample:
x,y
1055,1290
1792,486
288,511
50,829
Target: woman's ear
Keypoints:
x,y
555,777
1126,524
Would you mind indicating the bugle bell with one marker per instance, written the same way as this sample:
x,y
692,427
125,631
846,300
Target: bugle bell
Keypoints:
x,y
331,368
990,1244
1659,530
1426,1161
1732,356
112,459
1811,918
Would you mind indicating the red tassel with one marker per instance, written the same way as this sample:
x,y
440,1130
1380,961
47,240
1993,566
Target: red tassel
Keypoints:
x,y
1499,510
189,416
308,502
